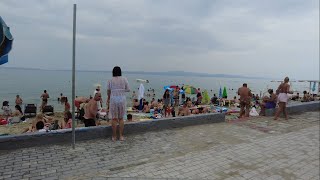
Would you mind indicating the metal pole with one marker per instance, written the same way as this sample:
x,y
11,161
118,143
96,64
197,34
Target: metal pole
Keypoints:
x,y
73,76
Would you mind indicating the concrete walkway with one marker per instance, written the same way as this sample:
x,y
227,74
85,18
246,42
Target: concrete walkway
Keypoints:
x,y
258,148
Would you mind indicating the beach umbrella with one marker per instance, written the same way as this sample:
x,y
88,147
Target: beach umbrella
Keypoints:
x,y
141,91
167,87
205,97
190,89
314,86
174,86
224,94
220,92
6,40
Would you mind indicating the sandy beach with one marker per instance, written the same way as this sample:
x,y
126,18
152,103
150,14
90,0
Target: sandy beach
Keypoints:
x,y
18,128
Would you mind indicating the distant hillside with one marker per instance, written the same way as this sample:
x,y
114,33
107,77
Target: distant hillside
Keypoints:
x,y
169,73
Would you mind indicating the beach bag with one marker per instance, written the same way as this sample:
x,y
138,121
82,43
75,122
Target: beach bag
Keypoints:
x,y
3,122
253,112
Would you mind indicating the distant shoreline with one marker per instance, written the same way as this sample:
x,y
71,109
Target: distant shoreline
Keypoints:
x,y
168,73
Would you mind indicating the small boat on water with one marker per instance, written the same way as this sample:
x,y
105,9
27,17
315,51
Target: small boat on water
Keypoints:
x,y
142,80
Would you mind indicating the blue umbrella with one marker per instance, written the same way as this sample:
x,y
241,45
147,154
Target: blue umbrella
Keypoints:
x,y
6,40
220,92
314,86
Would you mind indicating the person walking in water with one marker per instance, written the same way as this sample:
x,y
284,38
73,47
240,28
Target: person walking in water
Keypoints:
x,y
44,96
282,92
19,101
117,87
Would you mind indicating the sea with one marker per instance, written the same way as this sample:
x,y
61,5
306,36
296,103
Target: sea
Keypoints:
x,y
29,84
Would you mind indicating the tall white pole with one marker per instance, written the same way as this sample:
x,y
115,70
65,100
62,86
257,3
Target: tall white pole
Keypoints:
x,y
73,76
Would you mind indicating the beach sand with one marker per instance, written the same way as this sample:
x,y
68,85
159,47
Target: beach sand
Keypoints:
x,y
19,128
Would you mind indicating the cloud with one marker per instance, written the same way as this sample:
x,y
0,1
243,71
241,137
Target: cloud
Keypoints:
x,y
269,38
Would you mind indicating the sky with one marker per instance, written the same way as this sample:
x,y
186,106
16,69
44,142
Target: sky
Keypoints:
x,y
241,37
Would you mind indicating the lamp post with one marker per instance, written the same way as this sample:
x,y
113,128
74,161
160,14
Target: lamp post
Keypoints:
x,y
73,76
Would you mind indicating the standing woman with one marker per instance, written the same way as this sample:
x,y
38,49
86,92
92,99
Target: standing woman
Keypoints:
x,y
166,102
117,87
282,92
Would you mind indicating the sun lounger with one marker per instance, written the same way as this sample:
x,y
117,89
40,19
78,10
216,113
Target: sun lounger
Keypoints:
x,y
30,110
48,110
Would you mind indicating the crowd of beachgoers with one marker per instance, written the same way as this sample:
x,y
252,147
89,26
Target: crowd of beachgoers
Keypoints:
x,y
92,111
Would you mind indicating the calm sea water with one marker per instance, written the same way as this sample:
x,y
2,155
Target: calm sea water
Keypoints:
x,y
29,84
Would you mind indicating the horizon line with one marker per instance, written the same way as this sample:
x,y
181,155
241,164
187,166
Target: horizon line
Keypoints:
x,y
182,73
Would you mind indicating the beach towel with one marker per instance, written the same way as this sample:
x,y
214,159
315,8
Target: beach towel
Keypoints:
x,y
253,112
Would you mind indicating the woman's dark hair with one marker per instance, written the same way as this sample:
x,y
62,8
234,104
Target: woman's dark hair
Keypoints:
x,y
116,71
165,95
18,108
39,125
270,91
5,103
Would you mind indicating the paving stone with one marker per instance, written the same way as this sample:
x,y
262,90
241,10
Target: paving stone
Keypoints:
x,y
233,150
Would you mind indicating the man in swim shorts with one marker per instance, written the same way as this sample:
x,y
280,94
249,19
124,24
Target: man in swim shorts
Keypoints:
x,y
245,97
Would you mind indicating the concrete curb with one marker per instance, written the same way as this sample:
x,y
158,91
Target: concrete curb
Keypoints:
x,y
64,136
298,108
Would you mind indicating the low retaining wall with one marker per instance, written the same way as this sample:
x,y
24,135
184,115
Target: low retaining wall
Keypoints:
x,y
298,108
65,135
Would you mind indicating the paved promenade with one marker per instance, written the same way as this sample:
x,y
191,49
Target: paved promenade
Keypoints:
x,y
258,148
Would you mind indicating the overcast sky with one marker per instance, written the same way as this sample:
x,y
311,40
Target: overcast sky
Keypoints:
x,y
273,38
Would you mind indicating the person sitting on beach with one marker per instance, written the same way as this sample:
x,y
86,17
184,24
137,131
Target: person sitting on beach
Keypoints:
x,y
135,105
129,117
68,120
306,97
39,127
295,97
6,109
44,96
202,110
191,107
268,102
160,106
184,110
17,112
245,100
18,100
214,99
40,117
146,108
154,104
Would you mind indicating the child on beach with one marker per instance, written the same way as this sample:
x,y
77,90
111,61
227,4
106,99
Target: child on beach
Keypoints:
x,y
68,120
129,117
